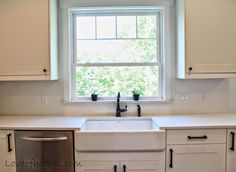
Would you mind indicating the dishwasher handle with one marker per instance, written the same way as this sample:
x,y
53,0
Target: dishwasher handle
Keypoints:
x,y
44,139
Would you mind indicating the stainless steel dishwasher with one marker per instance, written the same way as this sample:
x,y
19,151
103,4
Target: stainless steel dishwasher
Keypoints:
x,y
44,151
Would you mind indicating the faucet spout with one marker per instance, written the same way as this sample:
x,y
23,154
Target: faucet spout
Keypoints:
x,y
118,109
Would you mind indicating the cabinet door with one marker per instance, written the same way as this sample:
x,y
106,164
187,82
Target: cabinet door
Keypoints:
x,y
143,166
7,152
196,158
24,37
97,166
231,150
210,36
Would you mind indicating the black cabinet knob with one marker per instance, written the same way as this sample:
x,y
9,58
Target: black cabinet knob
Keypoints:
x,y
44,70
190,68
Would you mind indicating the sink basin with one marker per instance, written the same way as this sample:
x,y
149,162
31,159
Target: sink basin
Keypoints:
x,y
119,134
120,124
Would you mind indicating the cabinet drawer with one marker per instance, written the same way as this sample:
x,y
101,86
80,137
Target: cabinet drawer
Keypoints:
x,y
201,136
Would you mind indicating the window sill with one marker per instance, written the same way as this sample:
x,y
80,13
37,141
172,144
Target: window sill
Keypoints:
x,y
157,101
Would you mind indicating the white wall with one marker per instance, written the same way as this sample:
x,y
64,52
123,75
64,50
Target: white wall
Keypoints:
x,y
205,96
232,96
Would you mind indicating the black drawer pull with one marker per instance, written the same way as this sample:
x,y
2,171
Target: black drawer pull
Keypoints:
x,y
124,168
115,168
9,142
171,158
232,144
197,137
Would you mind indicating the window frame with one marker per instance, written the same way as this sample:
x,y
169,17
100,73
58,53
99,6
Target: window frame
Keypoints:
x,y
118,12
168,67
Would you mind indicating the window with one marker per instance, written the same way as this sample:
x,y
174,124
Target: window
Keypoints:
x,y
117,50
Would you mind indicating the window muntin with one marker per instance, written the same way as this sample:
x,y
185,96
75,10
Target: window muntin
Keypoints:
x,y
122,57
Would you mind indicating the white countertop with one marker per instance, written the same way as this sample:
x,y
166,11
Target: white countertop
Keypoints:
x,y
75,123
41,122
196,121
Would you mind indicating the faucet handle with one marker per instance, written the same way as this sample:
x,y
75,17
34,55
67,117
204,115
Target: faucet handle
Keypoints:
x,y
126,107
139,110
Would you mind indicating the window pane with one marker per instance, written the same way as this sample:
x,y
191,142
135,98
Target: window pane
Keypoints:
x,y
106,27
126,26
107,81
85,27
143,50
147,26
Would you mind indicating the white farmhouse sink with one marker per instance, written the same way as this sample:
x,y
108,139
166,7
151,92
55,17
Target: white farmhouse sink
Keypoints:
x,y
119,124
119,134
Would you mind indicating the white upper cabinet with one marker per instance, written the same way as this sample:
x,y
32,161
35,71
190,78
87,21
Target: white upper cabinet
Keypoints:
x,y
206,38
28,40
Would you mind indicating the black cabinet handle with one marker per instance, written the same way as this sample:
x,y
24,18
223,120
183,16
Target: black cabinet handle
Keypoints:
x,y
45,70
115,168
232,144
9,142
197,137
124,168
171,158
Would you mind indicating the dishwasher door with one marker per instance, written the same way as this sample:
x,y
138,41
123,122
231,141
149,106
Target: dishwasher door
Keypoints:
x,y
44,151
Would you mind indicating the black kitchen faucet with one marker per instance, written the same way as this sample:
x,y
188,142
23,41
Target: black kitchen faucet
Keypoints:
x,y
118,109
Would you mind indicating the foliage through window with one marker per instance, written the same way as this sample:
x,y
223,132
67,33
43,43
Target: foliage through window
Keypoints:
x,y
117,51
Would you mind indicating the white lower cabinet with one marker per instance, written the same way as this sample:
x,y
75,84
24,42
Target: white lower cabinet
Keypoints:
x,y
97,166
138,166
196,158
122,166
7,151
192,150
119,161
196,150
231,151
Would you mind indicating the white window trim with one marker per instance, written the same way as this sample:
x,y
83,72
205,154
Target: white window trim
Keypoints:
x,y
168,43
117,11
